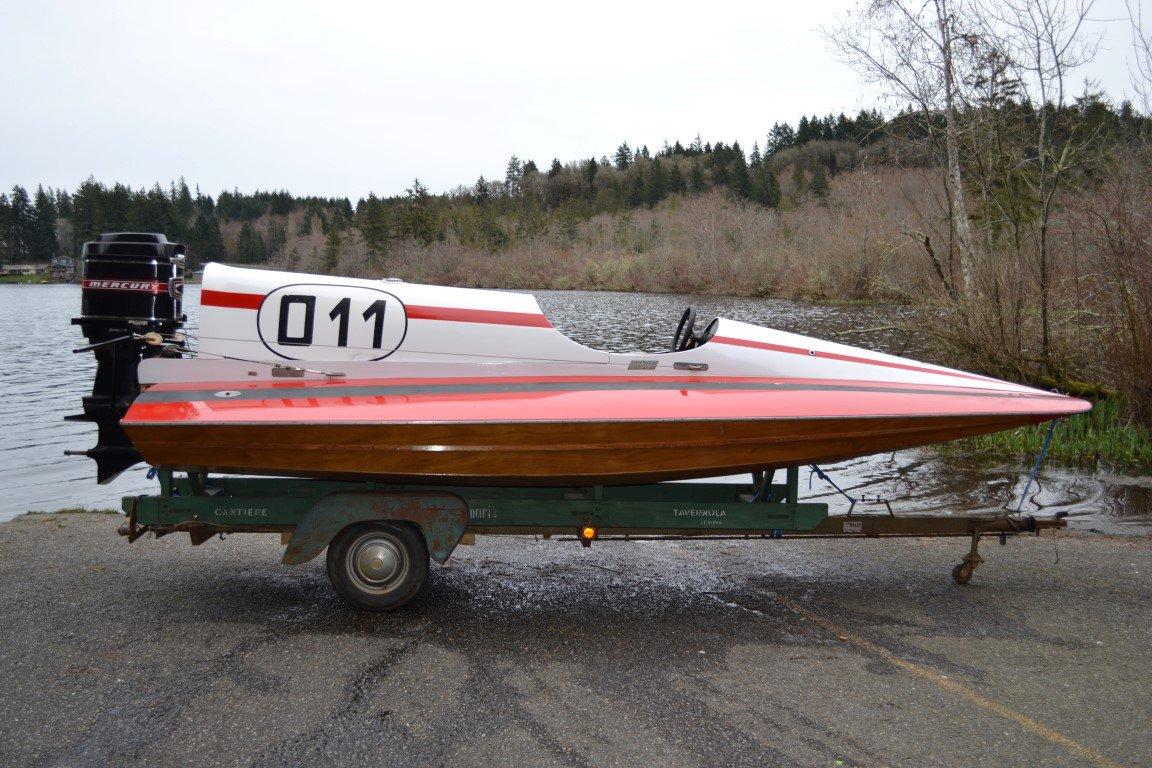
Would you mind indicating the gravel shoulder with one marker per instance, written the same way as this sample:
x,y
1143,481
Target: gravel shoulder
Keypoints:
x,y
529,652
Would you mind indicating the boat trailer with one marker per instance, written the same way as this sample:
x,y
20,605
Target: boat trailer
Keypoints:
x,y
379,536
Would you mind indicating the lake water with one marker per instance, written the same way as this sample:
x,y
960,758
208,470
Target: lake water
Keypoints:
x,y
42,381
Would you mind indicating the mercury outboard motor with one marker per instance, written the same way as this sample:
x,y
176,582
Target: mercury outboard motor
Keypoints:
x,y
131,310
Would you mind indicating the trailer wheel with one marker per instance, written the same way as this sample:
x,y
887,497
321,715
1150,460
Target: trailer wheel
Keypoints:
x,y
378,566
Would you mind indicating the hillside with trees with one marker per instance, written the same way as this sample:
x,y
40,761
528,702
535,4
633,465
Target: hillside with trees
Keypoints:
x,y
491,214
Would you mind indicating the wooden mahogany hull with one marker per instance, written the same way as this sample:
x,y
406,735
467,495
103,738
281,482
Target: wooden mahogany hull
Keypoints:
x,y
543,453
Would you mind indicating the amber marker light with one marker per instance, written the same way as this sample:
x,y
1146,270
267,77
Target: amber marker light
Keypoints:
x,y
588,532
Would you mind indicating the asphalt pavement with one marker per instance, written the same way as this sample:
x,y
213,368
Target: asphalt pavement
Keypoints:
x,y
524,652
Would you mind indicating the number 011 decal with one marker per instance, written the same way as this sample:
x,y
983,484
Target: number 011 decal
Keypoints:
x,y
331,322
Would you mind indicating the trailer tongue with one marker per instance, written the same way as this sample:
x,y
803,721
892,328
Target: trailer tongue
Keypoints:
x,y
380,534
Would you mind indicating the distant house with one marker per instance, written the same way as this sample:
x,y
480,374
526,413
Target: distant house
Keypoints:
x,y
63,269
23,270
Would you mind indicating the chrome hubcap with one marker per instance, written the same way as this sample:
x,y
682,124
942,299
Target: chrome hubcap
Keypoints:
x,y
376,562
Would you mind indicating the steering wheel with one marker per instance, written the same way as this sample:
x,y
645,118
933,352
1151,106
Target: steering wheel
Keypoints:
x,y
685,337
709,331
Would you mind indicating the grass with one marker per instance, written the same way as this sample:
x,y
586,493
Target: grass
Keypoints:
x,y
1105,434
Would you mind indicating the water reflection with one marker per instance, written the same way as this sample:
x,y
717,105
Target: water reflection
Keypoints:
x,y
43,381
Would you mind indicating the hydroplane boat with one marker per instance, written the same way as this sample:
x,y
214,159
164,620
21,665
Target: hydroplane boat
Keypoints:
x,y
331,377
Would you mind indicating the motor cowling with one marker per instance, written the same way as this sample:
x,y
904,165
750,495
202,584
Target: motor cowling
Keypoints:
x,y
131,309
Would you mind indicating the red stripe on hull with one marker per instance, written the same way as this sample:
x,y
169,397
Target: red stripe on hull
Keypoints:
x,y
599,405
493,317
230,300
842,357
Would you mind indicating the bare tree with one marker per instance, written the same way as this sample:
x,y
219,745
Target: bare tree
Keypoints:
x,y
915,51
1141,67
990,82
1043,42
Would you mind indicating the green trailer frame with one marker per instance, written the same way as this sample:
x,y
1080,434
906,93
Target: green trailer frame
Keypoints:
x,y
311,515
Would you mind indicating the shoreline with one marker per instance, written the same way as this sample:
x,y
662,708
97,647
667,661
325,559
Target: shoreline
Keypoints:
x,y
484,285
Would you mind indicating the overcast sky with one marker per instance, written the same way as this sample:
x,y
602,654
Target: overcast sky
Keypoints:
x,y
342,98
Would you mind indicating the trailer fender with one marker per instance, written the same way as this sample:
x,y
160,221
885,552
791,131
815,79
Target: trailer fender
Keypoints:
x,y
441,517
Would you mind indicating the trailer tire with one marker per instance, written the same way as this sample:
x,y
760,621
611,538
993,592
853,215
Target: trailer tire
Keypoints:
x,y
378,566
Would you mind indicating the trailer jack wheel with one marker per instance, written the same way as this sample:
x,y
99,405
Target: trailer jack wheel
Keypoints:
x,y
378,566
962,573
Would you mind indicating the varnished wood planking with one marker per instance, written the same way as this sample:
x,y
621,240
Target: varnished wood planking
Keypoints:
x,y
544,453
